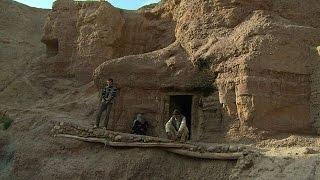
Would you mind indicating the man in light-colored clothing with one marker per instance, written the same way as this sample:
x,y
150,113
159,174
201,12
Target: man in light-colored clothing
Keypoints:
x,y
176,127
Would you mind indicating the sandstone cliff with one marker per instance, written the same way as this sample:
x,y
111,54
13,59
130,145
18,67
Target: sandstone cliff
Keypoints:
x,y
251,67
263,53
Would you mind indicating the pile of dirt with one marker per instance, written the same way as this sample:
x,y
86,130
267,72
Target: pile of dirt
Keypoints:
x,y
281,157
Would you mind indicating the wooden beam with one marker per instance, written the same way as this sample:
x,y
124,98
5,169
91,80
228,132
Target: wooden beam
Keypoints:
x,y
129,144
207,155
177,148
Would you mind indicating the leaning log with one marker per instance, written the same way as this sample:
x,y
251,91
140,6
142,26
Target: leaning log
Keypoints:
x,y
177,148
129,144
207,155
67,128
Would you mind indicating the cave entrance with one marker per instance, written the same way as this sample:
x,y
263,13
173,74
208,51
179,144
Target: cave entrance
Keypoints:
x,y
52,47
184,104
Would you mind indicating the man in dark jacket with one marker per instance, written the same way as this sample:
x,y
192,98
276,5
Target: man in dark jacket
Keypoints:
x,y
106,101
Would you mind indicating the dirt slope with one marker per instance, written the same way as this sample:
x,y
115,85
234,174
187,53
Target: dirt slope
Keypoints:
x,y
20,29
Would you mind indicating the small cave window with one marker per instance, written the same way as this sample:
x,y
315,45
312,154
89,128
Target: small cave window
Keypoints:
x,y
52,47
184,104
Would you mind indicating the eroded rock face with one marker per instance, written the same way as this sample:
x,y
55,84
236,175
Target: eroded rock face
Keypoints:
x,y
261,56
82,35
261,51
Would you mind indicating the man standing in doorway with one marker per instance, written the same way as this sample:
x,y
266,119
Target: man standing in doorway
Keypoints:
x,y
107,98
176,127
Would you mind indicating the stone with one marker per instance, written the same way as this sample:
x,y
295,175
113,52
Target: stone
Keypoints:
x,y
212,148
241,148
219,148
310,151
233,148
225,148
137,139
118,138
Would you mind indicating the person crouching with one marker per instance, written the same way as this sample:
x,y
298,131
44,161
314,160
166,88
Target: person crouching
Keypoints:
x,y
140,125
176,127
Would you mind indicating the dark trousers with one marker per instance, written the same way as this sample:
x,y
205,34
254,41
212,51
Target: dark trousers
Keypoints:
x,y
104,107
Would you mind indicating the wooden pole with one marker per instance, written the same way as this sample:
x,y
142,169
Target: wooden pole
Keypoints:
x,y
177,148
206,155
129,144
